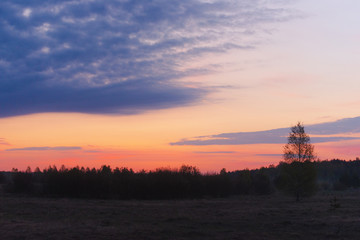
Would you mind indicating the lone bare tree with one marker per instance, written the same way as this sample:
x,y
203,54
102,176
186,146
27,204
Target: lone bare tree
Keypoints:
x,y
298,148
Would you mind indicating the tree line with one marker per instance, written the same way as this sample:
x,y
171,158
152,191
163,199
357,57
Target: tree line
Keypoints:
x,y
301,174
124,183
185,182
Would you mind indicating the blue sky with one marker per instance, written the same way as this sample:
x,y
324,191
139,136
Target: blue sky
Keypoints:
x,y
214,83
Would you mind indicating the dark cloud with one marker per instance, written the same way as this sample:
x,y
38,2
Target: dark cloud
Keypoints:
x,y
60,148
116,56
347,125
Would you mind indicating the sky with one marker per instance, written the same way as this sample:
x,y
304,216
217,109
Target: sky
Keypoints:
x,y
147,84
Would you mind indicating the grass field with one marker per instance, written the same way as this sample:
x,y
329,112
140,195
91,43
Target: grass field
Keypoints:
x,y
247,217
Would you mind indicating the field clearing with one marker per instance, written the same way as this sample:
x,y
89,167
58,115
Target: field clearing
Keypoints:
x,y
243,217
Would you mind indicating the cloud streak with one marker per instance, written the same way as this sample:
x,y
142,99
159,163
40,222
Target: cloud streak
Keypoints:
x,y
116,57
3,142
279,136
60,148
215,152
269,155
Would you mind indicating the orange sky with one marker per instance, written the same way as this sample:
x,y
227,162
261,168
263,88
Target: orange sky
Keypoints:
x,y
77,101
138,143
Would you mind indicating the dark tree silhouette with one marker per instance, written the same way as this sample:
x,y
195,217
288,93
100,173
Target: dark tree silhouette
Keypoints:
x,y
295,178
298,148
2,178
298,173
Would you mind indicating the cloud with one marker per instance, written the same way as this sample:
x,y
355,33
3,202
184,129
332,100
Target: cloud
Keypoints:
x,y
279,136
93,151
60,148
117,57
215,152
346,125
269,155
3,142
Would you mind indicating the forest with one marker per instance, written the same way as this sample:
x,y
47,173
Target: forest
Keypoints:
x,y
186,182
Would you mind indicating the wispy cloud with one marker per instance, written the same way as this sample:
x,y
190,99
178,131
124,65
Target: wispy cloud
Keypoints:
x,y
346,125
275,136
3,142
215,152
120,57
92,151
60,148
269,155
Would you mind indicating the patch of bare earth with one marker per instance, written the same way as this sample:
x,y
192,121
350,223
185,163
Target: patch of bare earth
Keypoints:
x,y
246,217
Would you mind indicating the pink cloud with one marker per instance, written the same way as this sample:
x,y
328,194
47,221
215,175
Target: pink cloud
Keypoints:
x,y
4,142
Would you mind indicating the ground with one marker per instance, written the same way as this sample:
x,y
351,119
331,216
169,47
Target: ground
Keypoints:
x,y
243,217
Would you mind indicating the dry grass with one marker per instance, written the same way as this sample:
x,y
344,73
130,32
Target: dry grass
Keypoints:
x,y
249,217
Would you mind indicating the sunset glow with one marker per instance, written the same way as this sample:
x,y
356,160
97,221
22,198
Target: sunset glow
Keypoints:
x,y
212,84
